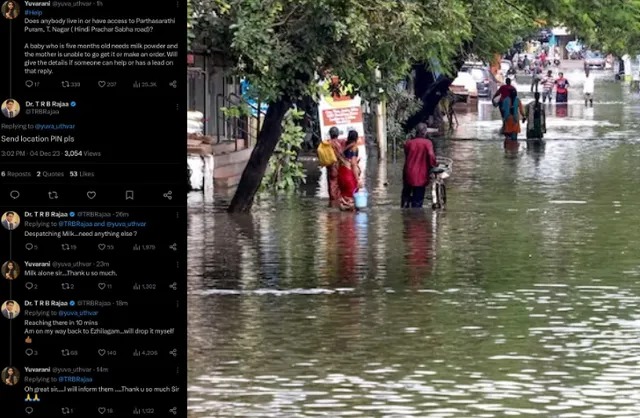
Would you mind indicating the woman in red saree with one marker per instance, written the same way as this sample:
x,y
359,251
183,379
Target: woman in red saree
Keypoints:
x,y
332,170
348,171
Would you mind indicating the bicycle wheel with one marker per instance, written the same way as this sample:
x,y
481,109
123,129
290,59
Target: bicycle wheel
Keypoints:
x,y
443,195
434,195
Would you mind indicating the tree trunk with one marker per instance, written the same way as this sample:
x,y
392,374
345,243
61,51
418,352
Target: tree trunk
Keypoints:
x,y
430,90
430,100
257,165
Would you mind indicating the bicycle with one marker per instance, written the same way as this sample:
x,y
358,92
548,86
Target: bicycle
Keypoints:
x,y
438,188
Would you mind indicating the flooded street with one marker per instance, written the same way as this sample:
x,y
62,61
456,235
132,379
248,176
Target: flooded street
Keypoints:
x,y
522,299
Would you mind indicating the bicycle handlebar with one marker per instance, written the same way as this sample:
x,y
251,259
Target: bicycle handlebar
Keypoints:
x,y
444,162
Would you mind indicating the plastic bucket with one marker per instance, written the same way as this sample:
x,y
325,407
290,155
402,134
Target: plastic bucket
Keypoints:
x,y
360,198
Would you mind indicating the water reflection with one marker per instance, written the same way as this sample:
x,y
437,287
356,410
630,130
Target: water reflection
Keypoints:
x,y
511,148
383,181
521,299
535,150
419,246
345,241
562,110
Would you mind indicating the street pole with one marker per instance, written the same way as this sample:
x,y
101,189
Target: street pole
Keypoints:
x,y
381,124
381,128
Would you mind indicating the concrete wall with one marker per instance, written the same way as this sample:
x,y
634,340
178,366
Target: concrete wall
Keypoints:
x,y
220,165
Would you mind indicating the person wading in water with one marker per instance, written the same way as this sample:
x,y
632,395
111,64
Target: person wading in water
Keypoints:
x,y
419,159
536,120
562,91
332,170
504,92
512,111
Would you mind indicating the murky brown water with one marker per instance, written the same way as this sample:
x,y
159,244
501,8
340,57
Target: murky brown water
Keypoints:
x,y
521,300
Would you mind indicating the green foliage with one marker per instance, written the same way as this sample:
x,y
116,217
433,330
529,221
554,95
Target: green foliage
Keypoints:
x,y
401,105
610,25
283,47
285,173
615,27
238,111
190,33
496,25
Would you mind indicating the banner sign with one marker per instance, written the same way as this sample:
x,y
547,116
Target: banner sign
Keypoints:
x,y
339,109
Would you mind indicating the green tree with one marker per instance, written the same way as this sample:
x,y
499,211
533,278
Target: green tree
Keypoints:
x,y
400,106
285,171
612,25
190,33
494,27
283,48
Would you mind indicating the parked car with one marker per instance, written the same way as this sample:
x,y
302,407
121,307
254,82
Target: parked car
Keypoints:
x,y
594,59
486,83
464,87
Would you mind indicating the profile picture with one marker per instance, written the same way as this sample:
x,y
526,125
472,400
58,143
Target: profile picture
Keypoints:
x,y
10,376
10,309
10,270
10,9
10,108
10,220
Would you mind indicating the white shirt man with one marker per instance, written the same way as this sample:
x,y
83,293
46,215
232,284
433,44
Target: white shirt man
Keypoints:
x,y
588,89
548,82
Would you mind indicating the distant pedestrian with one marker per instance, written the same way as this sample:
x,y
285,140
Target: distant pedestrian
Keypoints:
x,y
536,75
562,91
536,119
543,59
635,82
504,92
547,86
418,161
588,89
512,111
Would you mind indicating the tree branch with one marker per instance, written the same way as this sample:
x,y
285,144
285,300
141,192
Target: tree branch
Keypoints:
x,y
287,17
520,10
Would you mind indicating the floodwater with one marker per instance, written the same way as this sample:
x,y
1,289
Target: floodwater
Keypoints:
x,y
522,299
